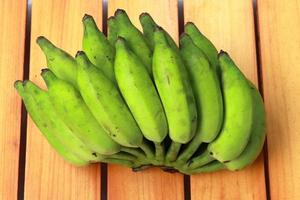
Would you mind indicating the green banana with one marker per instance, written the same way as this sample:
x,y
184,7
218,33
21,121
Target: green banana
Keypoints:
x,y
208,96
71,107
112,30
106,104
97,48
175,91
135,39
42,123
238,117
59,62
257,136
56,125
210,167
203,43
149,26
134,81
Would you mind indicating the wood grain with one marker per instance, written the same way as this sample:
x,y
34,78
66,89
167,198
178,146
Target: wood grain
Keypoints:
x,y
230,26
12,38
279,25
153,183
48,176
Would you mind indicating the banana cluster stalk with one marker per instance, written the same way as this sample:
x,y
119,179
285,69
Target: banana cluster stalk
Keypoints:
x,y
137,99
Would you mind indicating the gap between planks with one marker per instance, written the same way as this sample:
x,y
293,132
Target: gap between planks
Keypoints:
x,y
260,87
23,127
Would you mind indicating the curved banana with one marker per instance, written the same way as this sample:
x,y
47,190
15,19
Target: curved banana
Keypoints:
x,y
56,125
61,63
176,94
257,136
71,107
208,96
37,116
140,94
149,26
238,117
97,48
203,43
210,167
135,39
106,104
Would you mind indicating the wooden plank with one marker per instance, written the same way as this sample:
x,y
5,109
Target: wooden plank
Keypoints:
x,y
230,26
279,25
150,184
47,175
12,38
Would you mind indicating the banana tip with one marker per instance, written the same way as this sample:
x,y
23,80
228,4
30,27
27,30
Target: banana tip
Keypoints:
x,y
144,14
40,39
222,52
119,11
86,16
44,70
79,53
17,83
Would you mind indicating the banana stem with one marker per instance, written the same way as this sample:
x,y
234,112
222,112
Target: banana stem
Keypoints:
x,y
147,149
210,167
199,161
126,163
173,152
123,156
159,152
134,151
189,151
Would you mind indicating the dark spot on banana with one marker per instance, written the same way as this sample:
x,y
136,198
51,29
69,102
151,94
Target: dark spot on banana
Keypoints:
x,y
94,154
168,79
95,57
211,153
114,135
45,125
226,161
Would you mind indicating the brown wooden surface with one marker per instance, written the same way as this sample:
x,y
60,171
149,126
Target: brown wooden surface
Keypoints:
x,y
230,26
12,38
47,175
151,184
279,25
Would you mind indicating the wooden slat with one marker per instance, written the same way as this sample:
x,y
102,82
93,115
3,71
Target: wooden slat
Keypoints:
x,y
230,26
48,176
279,25
150,184
12,37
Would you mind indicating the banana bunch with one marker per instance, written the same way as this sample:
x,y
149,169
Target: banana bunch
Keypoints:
x,y
137,99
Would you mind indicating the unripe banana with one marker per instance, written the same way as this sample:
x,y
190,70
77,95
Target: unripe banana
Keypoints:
x,y
71,107
97,48
176,94
56,125
203,43
238,117
210,167
135,39
59,62
208,96
41,122
257,136
140,94
149,26
106,104
112,35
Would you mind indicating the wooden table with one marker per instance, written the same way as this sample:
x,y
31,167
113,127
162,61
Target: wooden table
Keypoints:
x,y
264,40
